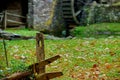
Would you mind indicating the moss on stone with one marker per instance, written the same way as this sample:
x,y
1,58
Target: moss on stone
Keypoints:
x,y
49,21
116,4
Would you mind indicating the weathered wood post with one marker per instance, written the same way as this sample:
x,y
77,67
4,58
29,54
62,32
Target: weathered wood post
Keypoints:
x,y
39,68
5,20
40,52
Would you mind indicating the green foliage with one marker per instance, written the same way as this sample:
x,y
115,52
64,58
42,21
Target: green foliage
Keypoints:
x,y
97,30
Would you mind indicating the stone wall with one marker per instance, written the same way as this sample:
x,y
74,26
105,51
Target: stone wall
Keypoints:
x,y
30,18
42,14
100,13
45,16
107,14
58,25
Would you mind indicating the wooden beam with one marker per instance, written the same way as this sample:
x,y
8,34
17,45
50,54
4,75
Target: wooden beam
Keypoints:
x,y
5,20
40,52
17,76
15,15
21,75
45,62
15,22
48,76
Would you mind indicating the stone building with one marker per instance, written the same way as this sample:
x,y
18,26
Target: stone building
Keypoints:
x,y
39,14
34,11
46,15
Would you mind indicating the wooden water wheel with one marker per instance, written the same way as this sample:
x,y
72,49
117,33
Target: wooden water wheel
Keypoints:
x,y
72,10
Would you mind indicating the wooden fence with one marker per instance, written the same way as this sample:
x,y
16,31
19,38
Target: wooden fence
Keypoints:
x,y
5,20
37,69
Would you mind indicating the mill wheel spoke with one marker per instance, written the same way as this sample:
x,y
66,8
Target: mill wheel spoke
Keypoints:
x,y
78,12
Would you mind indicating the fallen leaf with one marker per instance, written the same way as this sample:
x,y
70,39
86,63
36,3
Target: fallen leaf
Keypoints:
x,y
108,66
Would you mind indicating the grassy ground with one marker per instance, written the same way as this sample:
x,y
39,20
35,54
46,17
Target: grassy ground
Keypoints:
x,y
82,58
97,30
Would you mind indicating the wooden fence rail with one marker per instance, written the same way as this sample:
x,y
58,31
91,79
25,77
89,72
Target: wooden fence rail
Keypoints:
x,y
15,15
5,20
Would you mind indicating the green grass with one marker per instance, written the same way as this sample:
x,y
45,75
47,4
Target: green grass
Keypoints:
x,y
92,30
78,57
24,32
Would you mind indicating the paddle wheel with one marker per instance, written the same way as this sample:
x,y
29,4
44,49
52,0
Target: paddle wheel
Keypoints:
x,y
72,10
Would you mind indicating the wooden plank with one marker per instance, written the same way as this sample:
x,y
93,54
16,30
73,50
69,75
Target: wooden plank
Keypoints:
x,y
45,62
1,17
5,20
13,21
15,15
21,75
17,76
48,76
40,52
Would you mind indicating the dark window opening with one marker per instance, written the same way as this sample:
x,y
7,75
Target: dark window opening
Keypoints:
x,y
24,5
15,7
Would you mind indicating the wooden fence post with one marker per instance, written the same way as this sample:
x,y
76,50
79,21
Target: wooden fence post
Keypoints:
x,y
5,20
40,52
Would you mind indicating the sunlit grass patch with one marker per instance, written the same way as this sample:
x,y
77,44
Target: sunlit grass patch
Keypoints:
x,y
24,32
